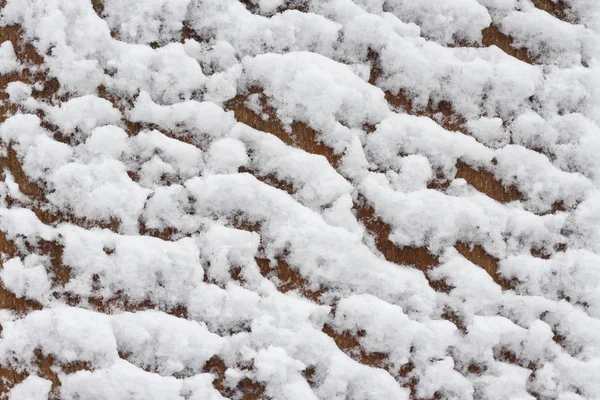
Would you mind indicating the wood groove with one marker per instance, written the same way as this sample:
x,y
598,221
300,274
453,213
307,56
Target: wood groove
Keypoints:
x,y
556,8
493,36
485,182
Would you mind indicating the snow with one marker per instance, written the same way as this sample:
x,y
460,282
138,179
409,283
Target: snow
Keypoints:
x,y
444,21
83,114
29,281
552,40
186,234
143,335
198,117
98,191
283,374
130,20
121,380
18,91
489,131
32,388
226,155
302,83
8,59
316,185
69,334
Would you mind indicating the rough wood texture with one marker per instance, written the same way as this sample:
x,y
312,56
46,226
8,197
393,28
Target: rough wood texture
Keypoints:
x,y
557,8
485,182
492,36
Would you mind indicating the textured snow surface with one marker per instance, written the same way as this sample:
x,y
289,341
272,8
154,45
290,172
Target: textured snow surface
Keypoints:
x,y
300,199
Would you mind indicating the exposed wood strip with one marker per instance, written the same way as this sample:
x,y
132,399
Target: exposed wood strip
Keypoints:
x,y
485,182
493,36
557,8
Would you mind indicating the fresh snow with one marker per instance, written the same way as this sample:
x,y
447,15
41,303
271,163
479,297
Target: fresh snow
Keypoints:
x,y
185,224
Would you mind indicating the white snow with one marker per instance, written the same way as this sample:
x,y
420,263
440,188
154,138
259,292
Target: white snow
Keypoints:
x,y
32,388
18,91
83,113
29,280
8,58
205,262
